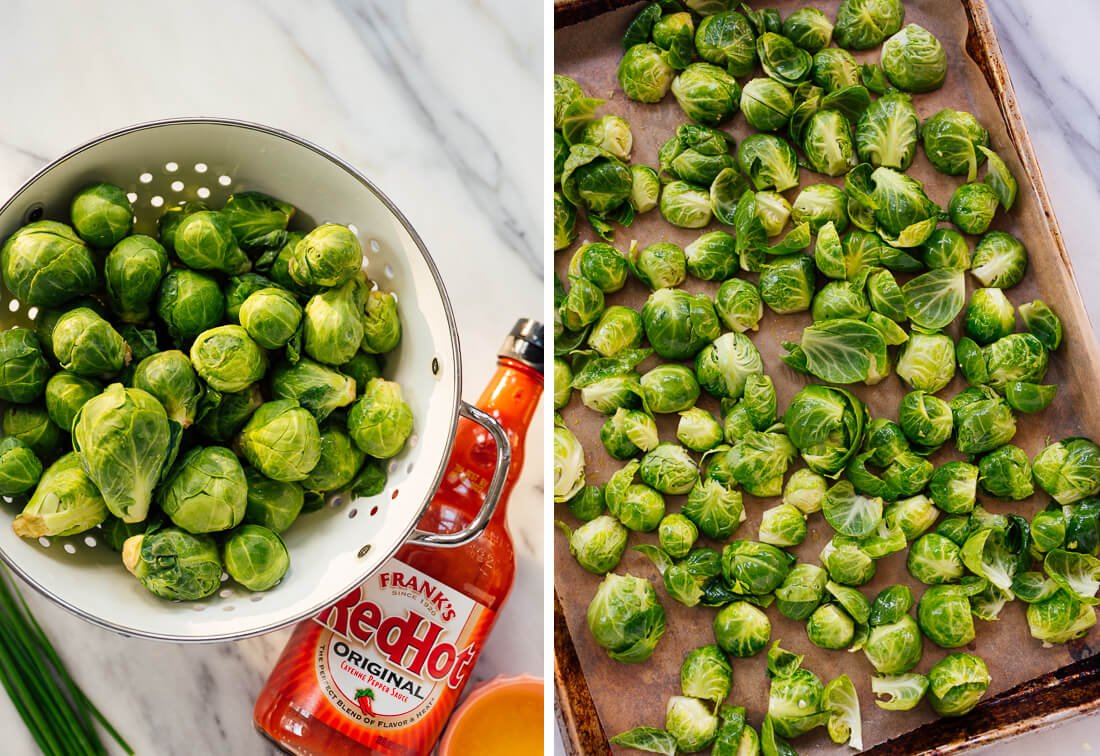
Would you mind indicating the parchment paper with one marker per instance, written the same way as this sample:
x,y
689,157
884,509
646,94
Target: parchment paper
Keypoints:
x,y
627,695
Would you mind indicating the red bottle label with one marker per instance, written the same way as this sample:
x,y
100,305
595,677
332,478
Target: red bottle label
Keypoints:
x,y
393,655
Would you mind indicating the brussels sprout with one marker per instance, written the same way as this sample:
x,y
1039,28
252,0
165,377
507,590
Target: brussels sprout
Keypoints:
x,y
272,503
818,204
582,305
1000,260
659,266
1060,619
205,241
669,469
983,425
598,544
863,24
787,285
1048,528
271,317
568,462
205,491
628,432
102,214
808,28
1068,470
801,591
174,564
760,460
754,568
381,323
950,140
989,315
644,73
766,104
565,222
230,412
830,255
947,249
282,439
914,60
760,401
738,304
1075,573
565,91
741,629
895,647
827,143
1006,473
954,488
329,255
626,618
678,324
782,60
943,613
696,154
256,557
844,725
595,180
333,323
639,507
927,361
31,424
726,39
83,342
830,627
318,388
257,220
834,69
846,563
133,271
706,93
972,207
903,692
795,696
840,299
380,422
697,430
711,257
675,33
228,359
912,515
850,513
844,351
587,504
724,366
691,723
338,465
124,442
601,264
610,132
706,674
956,683
715,509
684,205
886,133
677,534
45,264
66,501
669,388
826,425
189,303
805,490
24,371
783,526
20,469
1016,357
1042,323
169,377
171,218
769,162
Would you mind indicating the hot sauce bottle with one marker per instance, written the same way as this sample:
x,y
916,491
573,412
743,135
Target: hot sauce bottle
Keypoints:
x,y
381,670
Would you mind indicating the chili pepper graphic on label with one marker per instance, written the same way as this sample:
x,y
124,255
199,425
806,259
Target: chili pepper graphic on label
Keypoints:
x,y
365,698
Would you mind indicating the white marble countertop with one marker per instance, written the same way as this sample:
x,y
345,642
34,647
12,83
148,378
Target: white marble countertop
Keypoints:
x,y
441,105
1050,49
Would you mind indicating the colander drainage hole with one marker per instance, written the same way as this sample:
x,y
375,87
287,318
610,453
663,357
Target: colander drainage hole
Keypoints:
x,y
32,313
224,180
145,178
353,228
171,167
14,305
337,502
364,551
227,608
375,247
256,599
198,608
413,439
393,467
156,201
200,167
393,496
44,541
132,196
203,192
177,186
352,512
373,511
225,576
225,593
70,549
90,541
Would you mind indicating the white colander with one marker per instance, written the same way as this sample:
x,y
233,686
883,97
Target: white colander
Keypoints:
x,y
161,164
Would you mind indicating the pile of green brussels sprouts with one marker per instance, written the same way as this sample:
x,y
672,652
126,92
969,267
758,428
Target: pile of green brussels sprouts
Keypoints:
x,y
187,396
886,289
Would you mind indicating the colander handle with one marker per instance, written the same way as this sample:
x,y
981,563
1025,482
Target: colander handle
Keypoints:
x,y
492,494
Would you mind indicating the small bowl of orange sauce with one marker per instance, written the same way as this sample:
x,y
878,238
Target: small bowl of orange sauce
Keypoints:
x,y
502,717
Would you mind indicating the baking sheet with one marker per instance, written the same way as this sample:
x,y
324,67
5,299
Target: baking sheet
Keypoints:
x,y
630,695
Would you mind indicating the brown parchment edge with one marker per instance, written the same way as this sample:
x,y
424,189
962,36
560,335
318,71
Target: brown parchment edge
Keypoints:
x,y
1071,691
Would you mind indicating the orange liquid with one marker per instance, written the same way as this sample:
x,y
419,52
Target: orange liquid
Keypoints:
x,y
506,722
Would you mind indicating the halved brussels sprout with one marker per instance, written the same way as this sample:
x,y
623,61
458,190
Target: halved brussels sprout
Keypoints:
x,y
926,420
598,544
66,501
712,257
189,303
903,692
827,143
738,305
863,24
659,266
205,491
727,39
927,361
1016,357
610,133
783,525
754,568
834,68
587,504
1006,473
1060,619
706,674
691,723
818,204
846,562
685,206
842,703
724,366
625,618
174,564
956,683
628,432
600,264
806,490
617,330
645,188
102,214
678,324
983,425
282,439
742,629
1042,323
716,509
914,60
769,162
45,264
669,469
759,461
989,316
934,559
1068,470
794,699
947,249
563,378
787,284
830,627
706,93
1000,260
568,462
801,591
951,138
972,207
766,104
697,430
565,222
887,132
912,515
782,60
